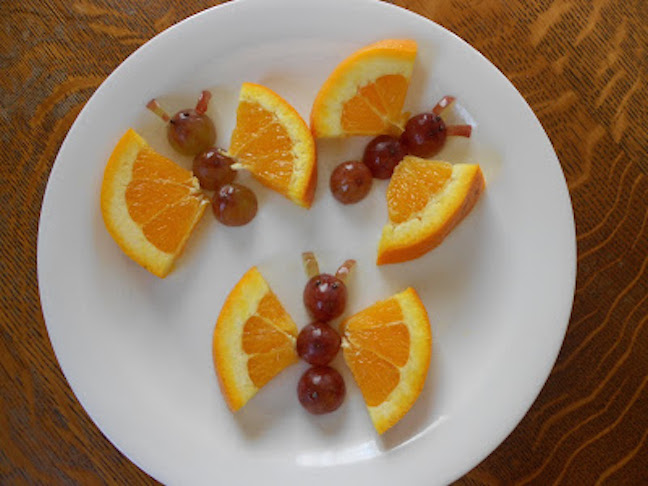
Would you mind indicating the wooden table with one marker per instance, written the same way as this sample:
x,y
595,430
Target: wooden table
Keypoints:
x,y
583,67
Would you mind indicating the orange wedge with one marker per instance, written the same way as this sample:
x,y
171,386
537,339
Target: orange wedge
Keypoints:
x,y
149,204
274,143
365,93
254,339
388,347
426,200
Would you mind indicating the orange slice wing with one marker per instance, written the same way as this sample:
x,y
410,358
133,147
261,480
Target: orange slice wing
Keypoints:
x,y
150,205
273,142
388,348
426,200
254,339
365,93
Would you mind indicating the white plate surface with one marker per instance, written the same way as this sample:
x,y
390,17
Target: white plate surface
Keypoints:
x,y
136,349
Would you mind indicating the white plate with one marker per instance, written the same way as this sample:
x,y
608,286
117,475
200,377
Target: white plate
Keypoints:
x,y
136,350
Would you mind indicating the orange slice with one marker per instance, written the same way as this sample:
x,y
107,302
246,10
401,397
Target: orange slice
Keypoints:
x,y
426,200
365,93
254,339
150,205
274,143
388,347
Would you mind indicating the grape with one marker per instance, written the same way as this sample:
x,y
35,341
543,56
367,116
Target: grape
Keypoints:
x,y
321,389
318,343
234,205
212,168
190,132
325,297
424,135
350,182
382,155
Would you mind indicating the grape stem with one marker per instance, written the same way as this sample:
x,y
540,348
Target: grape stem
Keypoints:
x,y
345,269
443,104
311,267
155,107
203,102
459,130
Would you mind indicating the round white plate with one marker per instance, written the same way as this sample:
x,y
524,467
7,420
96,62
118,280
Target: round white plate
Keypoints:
x,y
136,349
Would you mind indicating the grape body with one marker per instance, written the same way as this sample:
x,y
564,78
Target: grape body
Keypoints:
x,y
190,132
234,205
424,135
325,297
318,343
350,182
321,390
213,169
382,155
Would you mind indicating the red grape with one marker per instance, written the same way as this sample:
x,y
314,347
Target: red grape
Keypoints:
x,y
325,297
318,343
321,389
424,135
212,168
350,182
234,205
190,132
382,155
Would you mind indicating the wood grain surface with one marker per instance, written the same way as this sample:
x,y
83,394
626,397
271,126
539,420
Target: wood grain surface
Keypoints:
x,y
583,67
